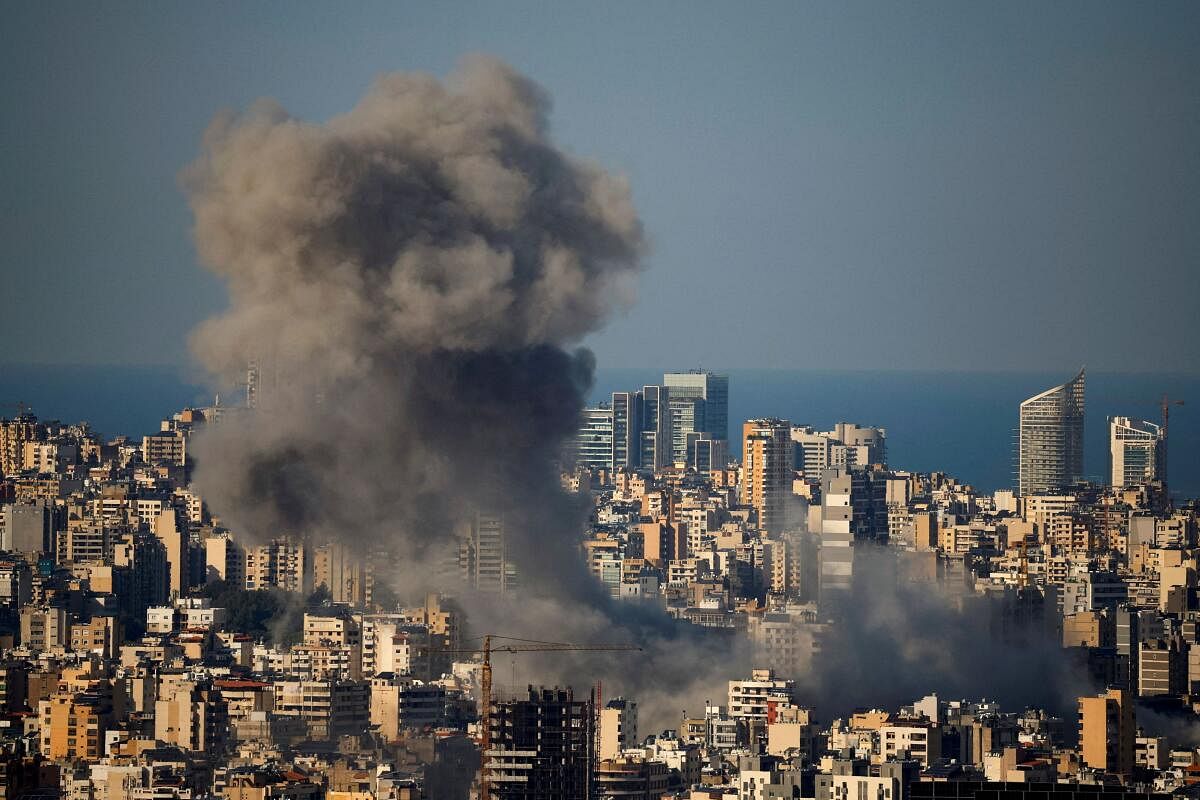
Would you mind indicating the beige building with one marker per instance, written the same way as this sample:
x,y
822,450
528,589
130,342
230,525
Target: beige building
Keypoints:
x,y
1085,629
224,559
767,471
347,577
284,563
328,709
192,717
14,433
750,700
918,739
72,723
45,629
1107,732
618,727
172,531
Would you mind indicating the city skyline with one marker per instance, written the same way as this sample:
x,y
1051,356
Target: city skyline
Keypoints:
x,y
392,523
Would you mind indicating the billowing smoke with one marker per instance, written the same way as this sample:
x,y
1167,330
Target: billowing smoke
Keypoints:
x,y
408,276
895,637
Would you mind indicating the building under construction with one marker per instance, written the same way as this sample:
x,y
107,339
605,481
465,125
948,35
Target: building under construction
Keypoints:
x,y
541,747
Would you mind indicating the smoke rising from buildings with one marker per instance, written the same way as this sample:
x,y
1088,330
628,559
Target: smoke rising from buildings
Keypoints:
x,y
410,276
897,636
411,273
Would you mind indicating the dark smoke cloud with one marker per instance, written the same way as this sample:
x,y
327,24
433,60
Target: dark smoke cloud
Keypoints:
x,y
412,276
409,276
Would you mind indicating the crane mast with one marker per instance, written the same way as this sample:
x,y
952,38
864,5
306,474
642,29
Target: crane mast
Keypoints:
x,y
1165,404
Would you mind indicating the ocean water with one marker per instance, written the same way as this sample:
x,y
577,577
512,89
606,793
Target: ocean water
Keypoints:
x,y
960,423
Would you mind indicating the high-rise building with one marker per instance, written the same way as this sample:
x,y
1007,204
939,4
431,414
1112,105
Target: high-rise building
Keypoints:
x,y
483,555
541,747
704,453
1106,731
641,429
1136,451
767,471
713,389
657,440
348,577
28,528
285,562
192,716
687,422
171,530
74,724
1050,438
626,429
224,559
837,534
594,442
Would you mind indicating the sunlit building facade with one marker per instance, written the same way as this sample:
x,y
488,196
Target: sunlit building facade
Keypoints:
x,y
1136,451
1050,438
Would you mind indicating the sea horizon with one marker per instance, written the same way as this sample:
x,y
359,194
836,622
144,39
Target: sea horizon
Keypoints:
x,y
961,422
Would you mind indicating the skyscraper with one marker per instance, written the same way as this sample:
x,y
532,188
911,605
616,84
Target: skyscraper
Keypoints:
x,y
713,389
1136,451
491,570
626,429
656,437
594,442
704,453
641,428
687,421
767,470
1050,440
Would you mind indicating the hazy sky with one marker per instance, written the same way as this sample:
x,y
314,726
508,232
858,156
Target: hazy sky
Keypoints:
x,y
861,185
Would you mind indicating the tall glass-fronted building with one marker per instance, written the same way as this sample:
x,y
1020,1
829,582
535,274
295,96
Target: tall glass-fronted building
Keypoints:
x,y
713,389
1050,440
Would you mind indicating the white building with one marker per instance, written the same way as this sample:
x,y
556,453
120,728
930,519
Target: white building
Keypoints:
x,y
1135,450
749,699
594,442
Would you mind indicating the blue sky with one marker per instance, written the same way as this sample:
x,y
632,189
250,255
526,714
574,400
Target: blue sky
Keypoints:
x,y
958,185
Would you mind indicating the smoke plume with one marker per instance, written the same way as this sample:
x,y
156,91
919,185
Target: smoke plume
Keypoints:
x,y
409,277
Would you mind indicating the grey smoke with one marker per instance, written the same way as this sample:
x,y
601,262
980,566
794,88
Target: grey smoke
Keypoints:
x,y
412,275
896,639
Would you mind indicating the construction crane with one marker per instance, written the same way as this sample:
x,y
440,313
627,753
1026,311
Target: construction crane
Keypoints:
x,y
1165,404
485,683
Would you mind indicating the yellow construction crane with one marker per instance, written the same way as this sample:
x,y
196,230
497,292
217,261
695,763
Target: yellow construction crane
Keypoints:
x,y
485,683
